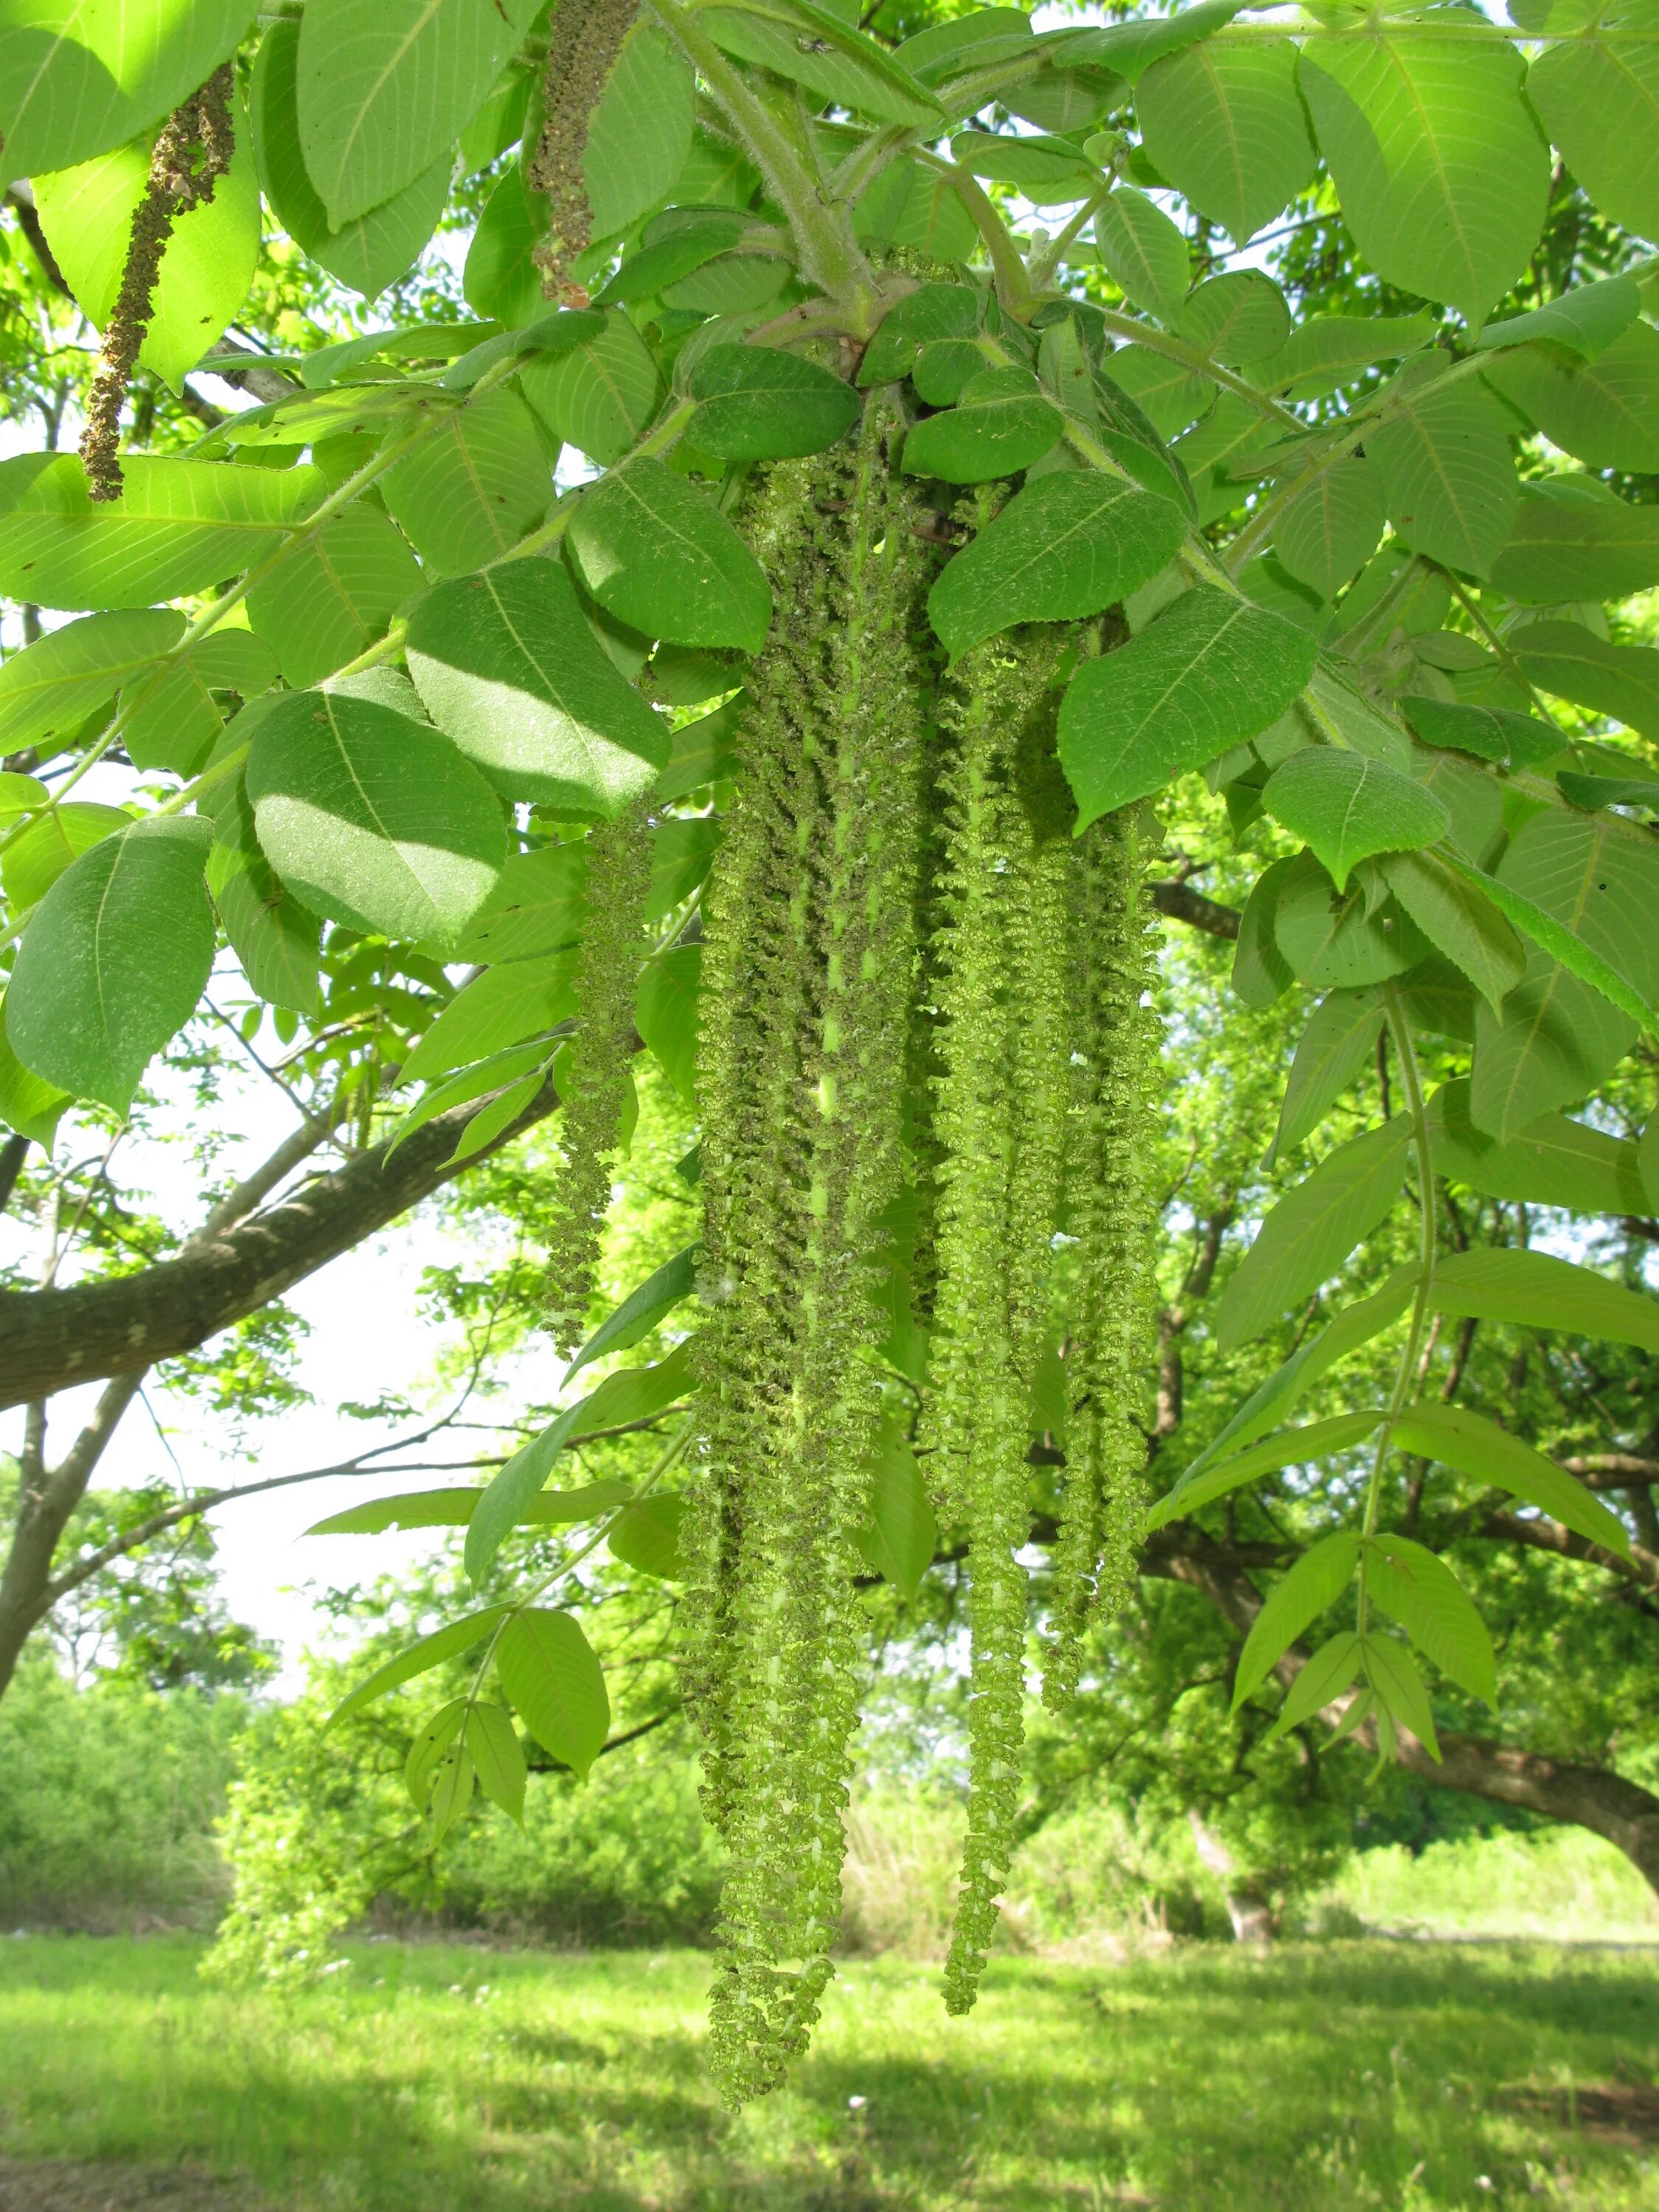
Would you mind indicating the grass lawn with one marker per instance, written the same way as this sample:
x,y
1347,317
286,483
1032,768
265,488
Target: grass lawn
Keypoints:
x,y
1326,2078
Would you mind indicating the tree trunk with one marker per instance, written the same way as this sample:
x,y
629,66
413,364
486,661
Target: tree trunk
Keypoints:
x,y
1248,1906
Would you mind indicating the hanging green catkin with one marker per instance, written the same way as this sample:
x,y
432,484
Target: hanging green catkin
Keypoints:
x,y
596,1072
192,154
584,39
1000,1117
801,1085
1112,1217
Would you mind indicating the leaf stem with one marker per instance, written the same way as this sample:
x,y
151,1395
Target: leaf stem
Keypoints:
x,y
829,253
1405,1381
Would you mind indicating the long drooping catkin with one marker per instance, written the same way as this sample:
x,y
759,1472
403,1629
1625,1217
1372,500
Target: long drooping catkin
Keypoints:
x,y
1111,1216
812,962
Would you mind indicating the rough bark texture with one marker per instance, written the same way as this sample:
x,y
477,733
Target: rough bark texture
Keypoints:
x,y
51,1339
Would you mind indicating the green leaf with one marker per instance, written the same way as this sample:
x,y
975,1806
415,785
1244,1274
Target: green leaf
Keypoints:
x,y
334,595
1587,892
1441,170
1347,807
759,404
1419,1590
502,1007
659,556
1572,662
374,820
1312,1230
380,245
1554,1041
507,665
36,855
77,80
902,1534
674,253
173,719
1601,412
1335,941
473,487
1327,534
1447,474
1329,1671
1065,547
1170,396
535,909
1600,103
1591,791
1261,973
1045,170
1490,733
1145,254
1328,350
1002,423
815,47
548,1671
410,1508
385,86
665,1010
599,389
646,1535
1533,1289
420,1658
639,131
29,1105
1552,1161
949,48
49,688
86,214
1474,1445
1132,47
1292,1448
1225,125
114,960
277,940
1209,671
179,526
497,1757
436,1742
639,1312
1460,921
1314,1582
1394,1675
1355,1325
453,1781
1338,1041
635,1393
1585,319
931,312
704,753
500,278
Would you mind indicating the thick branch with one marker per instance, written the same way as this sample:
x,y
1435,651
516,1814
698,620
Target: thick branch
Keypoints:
x,y
1178,902
51,1339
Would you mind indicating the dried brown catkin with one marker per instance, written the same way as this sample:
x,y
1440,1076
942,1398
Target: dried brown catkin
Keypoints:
x,y
191,155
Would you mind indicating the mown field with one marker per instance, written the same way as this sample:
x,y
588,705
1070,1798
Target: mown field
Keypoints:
x,y
1338,2075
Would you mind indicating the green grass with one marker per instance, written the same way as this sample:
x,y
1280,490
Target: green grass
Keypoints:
x,y
1343,2076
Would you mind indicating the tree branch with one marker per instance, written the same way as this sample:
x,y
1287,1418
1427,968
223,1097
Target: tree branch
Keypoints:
x,y
53,1339
1591,1797
1178,902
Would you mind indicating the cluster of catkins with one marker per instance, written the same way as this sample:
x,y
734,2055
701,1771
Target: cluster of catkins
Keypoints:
x,y
923,1002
